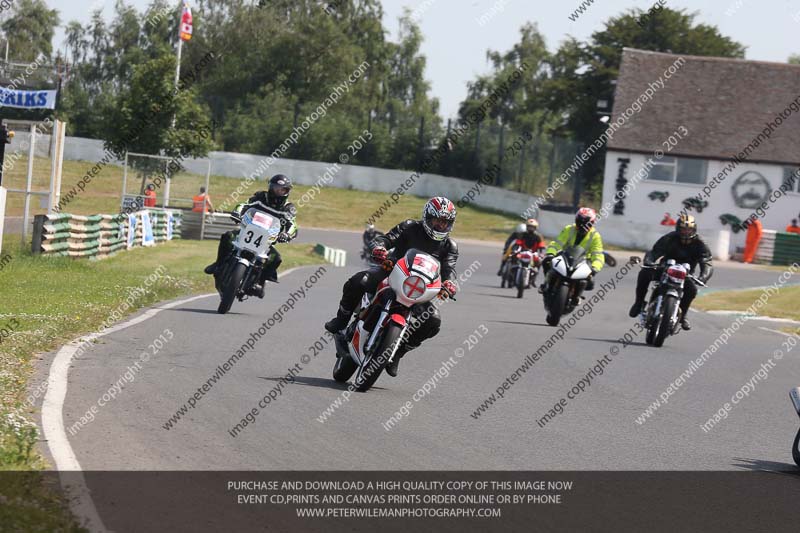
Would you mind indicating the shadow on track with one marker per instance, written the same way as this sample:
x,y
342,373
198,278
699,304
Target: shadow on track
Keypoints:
x,y
324,383
766,466
201,311
520,323
513,297
611,341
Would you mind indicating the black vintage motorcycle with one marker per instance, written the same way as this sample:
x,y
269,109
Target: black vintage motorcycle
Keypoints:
x,y
662,314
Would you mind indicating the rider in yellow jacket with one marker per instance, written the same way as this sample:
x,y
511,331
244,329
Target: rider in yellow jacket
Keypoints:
x,y
582,234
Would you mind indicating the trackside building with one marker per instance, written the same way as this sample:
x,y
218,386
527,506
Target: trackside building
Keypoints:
x,y
720,141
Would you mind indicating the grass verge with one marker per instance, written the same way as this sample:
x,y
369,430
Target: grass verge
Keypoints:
x,y
780,305
47,301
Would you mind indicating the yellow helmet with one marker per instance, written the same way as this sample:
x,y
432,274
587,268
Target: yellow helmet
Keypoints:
x,y
686,228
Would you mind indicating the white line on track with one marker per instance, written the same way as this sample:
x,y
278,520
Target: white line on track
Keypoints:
x,y
776,331
53,415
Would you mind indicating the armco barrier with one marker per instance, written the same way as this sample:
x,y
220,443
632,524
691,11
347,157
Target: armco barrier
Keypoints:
x,y
99,236
215,225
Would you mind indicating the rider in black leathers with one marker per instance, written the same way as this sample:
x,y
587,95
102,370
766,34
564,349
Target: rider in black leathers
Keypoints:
x,y
274,202
429,235
369,234
684,246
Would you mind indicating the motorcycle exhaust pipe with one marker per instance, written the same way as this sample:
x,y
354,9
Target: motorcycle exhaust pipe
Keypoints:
x,y
794,394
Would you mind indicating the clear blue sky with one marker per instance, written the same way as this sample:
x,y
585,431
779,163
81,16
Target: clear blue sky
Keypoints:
x,y
455,44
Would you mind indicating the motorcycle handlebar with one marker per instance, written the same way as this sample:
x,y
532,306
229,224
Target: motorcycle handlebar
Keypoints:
x,y
696,280
690,276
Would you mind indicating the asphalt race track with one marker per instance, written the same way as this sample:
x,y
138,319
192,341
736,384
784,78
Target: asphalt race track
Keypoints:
x,y
596,431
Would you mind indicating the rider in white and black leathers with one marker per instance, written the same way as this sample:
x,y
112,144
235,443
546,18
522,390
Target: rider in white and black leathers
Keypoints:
x,y
429,235
272,201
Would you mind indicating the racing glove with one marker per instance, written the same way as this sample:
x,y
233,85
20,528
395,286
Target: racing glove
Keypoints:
x,y
379,254
283,237
450,288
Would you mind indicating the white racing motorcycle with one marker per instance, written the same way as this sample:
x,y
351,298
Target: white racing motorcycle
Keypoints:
x,y
795,396
371,340
242,268
566,281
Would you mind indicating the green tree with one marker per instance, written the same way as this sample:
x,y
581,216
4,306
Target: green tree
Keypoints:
x,y
141,120
583,74
30,30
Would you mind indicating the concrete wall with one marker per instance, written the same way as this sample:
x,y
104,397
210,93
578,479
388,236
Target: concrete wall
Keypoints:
x,y
234,165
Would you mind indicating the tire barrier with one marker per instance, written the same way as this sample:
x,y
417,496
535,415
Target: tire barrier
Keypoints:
x,y
100,236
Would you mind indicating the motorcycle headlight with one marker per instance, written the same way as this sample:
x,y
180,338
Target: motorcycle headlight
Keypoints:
x,y
414,287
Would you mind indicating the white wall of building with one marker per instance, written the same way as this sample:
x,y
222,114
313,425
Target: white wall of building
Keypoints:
x,y
641,211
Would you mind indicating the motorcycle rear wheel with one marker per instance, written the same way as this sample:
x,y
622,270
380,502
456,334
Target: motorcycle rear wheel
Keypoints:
x,y
379,358
230,287
668,306
557,304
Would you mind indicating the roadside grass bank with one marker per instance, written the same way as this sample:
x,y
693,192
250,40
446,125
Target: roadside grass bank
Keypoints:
x,y
48,301
783,304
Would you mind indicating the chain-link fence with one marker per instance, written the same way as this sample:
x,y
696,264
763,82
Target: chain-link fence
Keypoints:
x,y
520,161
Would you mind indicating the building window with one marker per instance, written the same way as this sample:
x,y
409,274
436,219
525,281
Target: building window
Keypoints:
x,y
791,177
679,170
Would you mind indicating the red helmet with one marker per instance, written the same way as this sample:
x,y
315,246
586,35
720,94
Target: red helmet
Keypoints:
x,y
438,217
585,218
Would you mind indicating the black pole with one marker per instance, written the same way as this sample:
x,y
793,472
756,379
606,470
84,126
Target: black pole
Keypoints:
x,y
5,138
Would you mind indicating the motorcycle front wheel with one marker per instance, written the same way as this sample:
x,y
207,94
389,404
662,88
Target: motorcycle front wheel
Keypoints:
x,y
344,368
668,307
522,281
231,287
557,304
369,373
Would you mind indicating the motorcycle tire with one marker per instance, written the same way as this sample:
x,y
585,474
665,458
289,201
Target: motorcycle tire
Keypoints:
x,y
503,278
522,282
369,373
558,304
668,306
344,368
230,287
796,449
650,323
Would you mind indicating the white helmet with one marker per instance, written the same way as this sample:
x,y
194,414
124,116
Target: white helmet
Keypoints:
x,y
438,217
522,228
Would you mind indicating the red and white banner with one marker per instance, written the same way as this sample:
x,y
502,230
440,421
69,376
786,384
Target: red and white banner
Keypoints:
x,y
186,22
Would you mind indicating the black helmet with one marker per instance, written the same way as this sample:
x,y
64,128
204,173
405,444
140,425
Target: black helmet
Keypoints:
x,y
279,187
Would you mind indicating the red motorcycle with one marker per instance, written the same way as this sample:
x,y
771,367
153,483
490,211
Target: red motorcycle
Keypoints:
x,y
521,268
370,342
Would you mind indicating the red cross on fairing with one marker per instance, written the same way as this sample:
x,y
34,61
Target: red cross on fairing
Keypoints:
x,y
414,287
